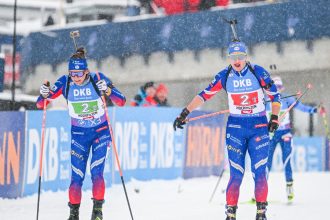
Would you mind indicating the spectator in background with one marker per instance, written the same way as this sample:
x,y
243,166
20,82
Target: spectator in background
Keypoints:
x,y
145,96
161,95
146,4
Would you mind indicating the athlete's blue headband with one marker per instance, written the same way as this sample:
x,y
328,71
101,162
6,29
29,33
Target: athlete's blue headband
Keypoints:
x,y
77,64
237,47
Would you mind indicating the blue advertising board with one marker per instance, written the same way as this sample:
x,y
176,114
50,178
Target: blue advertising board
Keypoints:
x,y
12,150
327,154
148,147
307,155
205,146
56,172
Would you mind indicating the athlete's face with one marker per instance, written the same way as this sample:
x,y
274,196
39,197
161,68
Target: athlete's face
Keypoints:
x,y
237,61
78,76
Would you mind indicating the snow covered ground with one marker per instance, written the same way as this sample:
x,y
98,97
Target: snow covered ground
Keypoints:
x,y
184,200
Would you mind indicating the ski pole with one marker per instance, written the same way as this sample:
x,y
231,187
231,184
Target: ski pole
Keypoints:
x,y
308,87
216,186
43,128
285,97
226,111
207,115
115,150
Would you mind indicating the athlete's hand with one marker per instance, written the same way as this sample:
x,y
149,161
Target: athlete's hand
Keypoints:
x,y
44,90
181,119
273,123
103,87
314,110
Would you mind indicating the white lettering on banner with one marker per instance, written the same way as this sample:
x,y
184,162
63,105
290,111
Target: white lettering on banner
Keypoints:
x,y
161,145
300,158
50,155
53,156
242,83
127,140
82,92
64,135
32,165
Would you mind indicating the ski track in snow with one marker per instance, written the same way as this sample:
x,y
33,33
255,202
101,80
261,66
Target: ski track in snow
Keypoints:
x,y
183,200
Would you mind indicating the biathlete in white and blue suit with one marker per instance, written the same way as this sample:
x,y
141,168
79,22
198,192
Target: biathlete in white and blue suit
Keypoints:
x,y
247,126
283,135
89,128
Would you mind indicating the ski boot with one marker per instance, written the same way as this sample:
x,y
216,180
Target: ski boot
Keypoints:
x,y
261,210
74,211
231,212
289,191
97,210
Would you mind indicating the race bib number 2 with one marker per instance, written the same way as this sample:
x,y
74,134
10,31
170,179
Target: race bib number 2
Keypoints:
x,y
246,99
81,108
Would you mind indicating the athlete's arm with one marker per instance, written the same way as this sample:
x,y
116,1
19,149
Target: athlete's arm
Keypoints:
x,y
113,93
270,89
55,91
213,88
301,107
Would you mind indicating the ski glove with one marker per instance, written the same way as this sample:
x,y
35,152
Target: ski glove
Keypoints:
x,y
103,87
313,110
273,123
181,119
44,90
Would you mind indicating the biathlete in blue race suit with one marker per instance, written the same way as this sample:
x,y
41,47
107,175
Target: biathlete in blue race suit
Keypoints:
x,y
247,126
89,128
283,135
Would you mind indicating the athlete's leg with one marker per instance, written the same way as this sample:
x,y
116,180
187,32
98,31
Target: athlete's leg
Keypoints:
x,y
273,143
286,145
236,147
258,149
99,152
80,146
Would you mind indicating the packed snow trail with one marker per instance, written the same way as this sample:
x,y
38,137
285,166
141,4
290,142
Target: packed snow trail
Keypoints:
x,y
184,200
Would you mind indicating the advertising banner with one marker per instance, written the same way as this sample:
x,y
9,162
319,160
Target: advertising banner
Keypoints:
x,y
205,146
327,154
12,150
56,170
307,155
148,147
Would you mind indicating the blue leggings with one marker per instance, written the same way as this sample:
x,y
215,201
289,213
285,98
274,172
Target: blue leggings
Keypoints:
x,y
247,135
284,138
83,140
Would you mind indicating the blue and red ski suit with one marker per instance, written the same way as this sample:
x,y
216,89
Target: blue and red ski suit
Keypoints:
x,y
89,129
247,125
283,135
